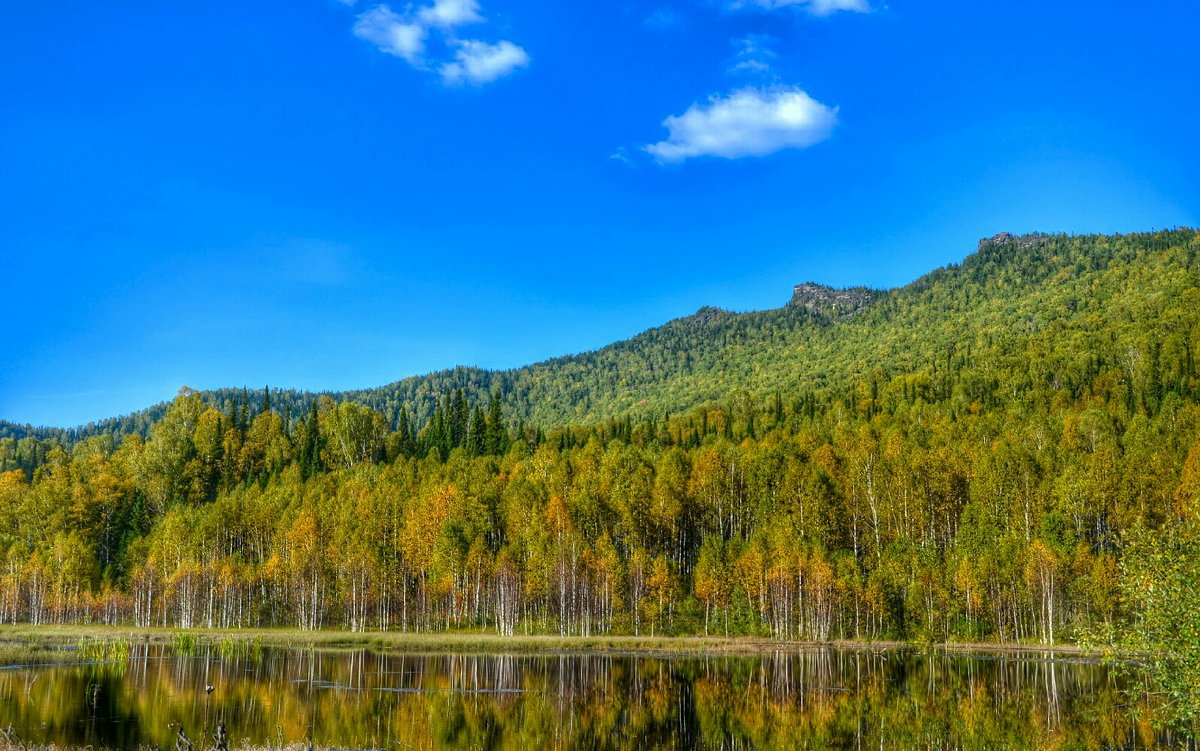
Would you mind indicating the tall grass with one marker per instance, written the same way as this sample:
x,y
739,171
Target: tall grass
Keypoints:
x,y
103,650
185,644
228,647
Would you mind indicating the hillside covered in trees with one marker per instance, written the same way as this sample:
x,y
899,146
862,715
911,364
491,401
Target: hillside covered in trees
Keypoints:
x,y
1010,302
978,455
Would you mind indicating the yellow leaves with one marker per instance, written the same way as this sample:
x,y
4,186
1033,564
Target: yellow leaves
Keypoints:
x,y
207,437
662,582
227,573
966,583
820,572
1071,434
750,571
35,566
717,420
670,489
711,578
183,576
423,523
10,481
275,569
12,490
266,448
1041,564
558,517
826,458
352,433
1187,495
303,538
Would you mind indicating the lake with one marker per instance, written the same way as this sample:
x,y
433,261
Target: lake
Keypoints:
x,y
811,698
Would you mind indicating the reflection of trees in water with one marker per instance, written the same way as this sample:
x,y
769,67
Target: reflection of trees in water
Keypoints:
x,y
816,698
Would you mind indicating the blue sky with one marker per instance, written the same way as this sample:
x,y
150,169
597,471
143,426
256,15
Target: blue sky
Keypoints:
x,y
327,194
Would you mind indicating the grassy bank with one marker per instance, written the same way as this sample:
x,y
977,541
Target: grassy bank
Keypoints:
x,y
51,644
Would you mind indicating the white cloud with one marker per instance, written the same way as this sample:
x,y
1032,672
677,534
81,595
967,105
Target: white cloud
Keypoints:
x,y
392,33
815,7
479,62
447,14
407,35
747,122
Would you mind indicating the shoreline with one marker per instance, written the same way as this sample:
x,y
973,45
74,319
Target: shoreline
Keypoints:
x,y
55,644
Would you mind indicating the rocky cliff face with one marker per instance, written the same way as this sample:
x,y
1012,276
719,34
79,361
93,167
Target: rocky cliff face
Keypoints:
x,y
835,303
1005,238
707,316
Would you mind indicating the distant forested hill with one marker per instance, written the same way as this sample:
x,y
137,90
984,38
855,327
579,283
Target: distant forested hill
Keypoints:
x,y
1022,316
1072,307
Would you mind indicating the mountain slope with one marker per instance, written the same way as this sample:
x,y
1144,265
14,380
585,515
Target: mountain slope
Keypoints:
x,y
1032,311
1028,312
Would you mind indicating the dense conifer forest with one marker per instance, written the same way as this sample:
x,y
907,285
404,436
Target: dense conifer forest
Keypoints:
x,y
1006,449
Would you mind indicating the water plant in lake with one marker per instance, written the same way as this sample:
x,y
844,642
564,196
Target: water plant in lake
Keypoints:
x,y
229,647
185,644
102,650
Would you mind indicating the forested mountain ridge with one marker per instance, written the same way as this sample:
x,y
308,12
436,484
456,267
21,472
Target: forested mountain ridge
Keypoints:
x,y
1007,303
978,323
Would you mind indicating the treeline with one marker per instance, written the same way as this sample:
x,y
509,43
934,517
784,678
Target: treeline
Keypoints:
x,y
884,516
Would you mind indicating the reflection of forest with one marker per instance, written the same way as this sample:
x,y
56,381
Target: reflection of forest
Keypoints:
x,y
816,699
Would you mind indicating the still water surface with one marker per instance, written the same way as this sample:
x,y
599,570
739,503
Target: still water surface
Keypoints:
x,y
819,698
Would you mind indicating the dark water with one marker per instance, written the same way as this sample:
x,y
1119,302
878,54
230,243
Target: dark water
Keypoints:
x,y
821,698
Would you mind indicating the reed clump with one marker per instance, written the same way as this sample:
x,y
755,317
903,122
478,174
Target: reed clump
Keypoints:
x,y
103,650
185,644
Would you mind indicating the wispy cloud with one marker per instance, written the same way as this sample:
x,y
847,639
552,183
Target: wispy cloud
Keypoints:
x,y
622,155
478,62
425,37
755,54
747,122
814,7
